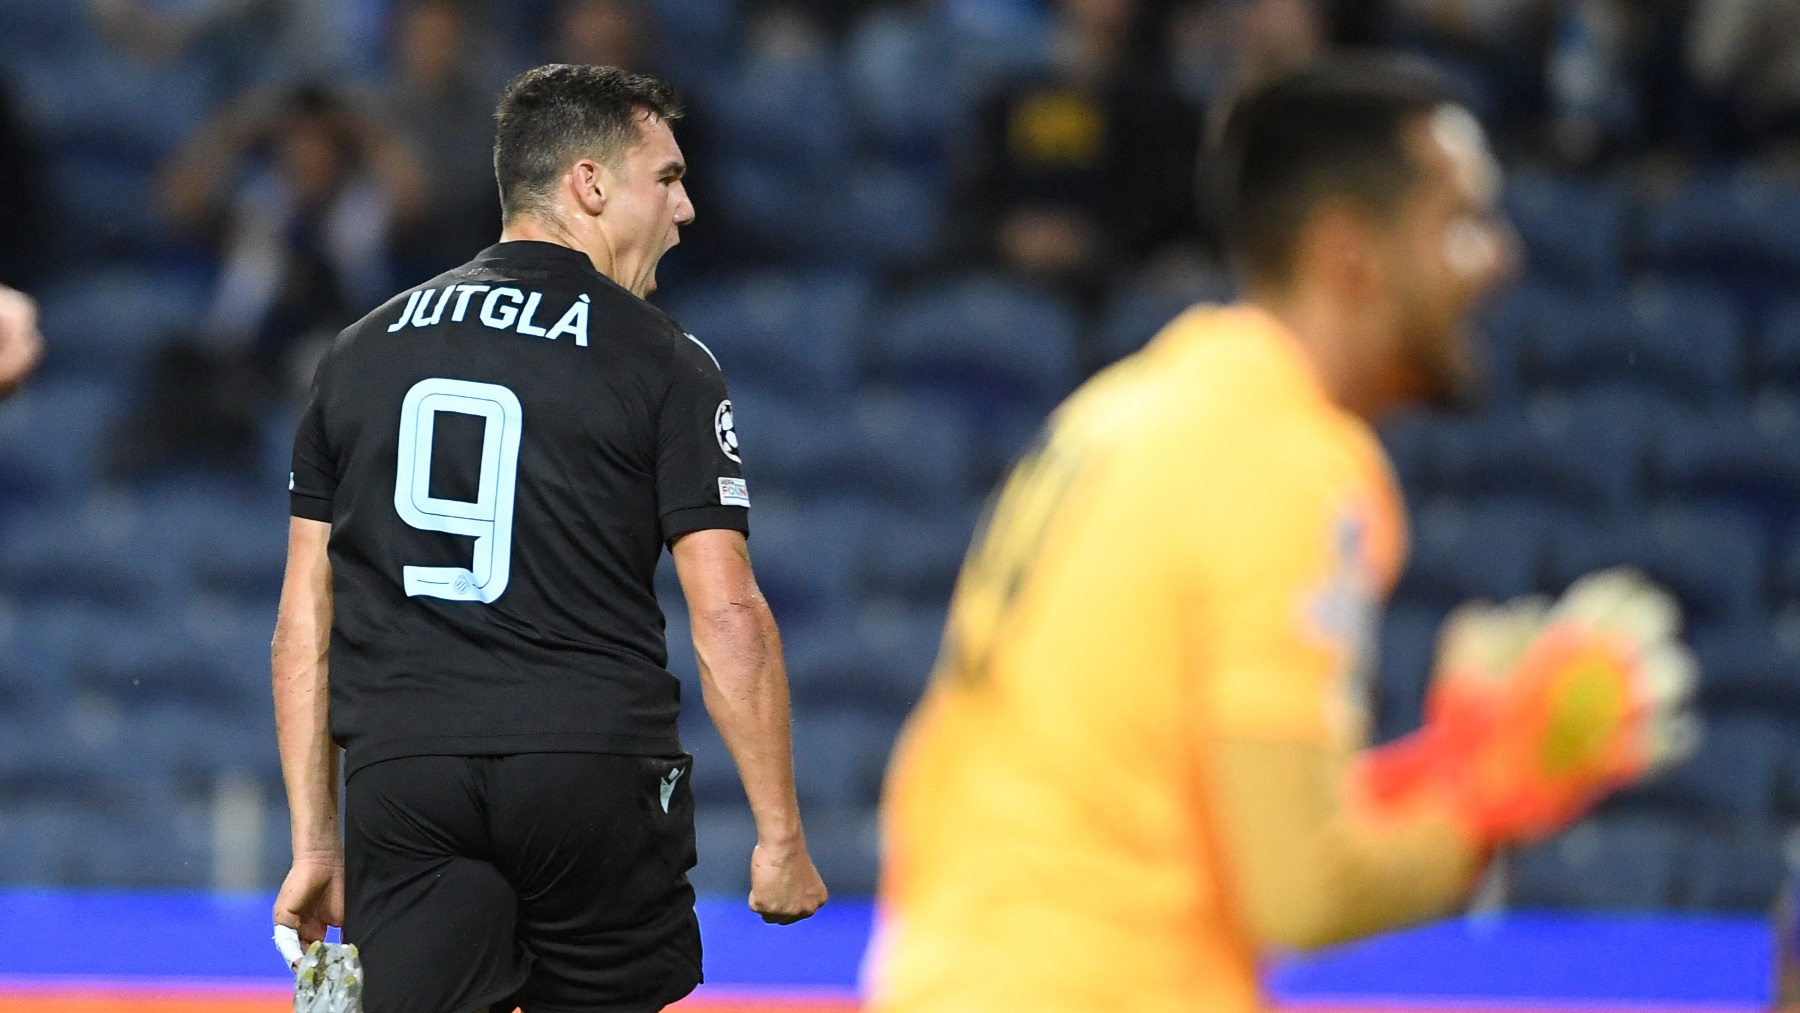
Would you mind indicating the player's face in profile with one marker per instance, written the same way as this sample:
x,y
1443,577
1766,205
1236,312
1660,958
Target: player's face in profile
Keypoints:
x,y
1453,248
646,203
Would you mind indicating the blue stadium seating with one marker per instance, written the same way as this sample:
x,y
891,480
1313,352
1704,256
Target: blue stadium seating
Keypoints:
x,y
786,111
1740,771
1408,644
792,332
1736,459
805,559
1495,552
1573,227
907,89
1686,340
892,215
1777,355
837,764
846,845
1748,665
984,339
51,438
1615,863
724,836
110,321
876,662
1582,459
915,558
1137,311
1737,868
1715,561
1730,221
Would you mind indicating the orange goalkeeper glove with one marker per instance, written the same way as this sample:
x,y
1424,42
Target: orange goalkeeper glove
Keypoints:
x,y
1536,713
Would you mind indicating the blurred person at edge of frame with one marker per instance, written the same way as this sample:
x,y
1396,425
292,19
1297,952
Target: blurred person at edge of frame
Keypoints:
x,y
1168,617
21,346
301,195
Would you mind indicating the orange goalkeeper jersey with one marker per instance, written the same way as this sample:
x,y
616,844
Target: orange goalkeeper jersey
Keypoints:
x,y
1198,548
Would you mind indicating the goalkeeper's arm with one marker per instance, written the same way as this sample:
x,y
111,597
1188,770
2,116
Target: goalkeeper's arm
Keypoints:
x,y
1533,716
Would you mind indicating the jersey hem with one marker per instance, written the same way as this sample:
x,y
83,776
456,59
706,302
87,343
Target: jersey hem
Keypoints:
x,y
685,522
358,757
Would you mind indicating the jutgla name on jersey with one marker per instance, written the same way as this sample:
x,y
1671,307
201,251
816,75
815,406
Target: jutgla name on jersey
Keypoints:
x,y
504,309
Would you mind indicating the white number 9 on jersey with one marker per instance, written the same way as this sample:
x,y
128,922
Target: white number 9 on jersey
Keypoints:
x,y
489,520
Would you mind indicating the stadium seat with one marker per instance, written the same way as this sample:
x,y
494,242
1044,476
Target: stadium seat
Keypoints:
x,y
153,662
791,332
1408,645
786,111
1714,560
1494,552
52,437
1624,863
100,98
1738,459
103,555
876,662
846,846
790,446
1573,227
1739,868
986,340
1777,352
893,215
914,558
113,320
1580,460
904,83
1727,221
1411,439
724,836
1137,311
1525,318
806,558
1685,340
840,757
1738,772
1748,665
911,451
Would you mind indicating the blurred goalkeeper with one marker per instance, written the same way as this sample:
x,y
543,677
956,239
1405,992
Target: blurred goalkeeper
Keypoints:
x,y
1143,762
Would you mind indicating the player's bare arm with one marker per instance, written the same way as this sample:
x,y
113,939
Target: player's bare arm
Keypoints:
x,y
745,688
312,896
21,346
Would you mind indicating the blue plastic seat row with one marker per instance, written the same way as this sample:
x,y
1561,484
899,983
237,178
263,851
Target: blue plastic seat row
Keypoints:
x,y
1645,863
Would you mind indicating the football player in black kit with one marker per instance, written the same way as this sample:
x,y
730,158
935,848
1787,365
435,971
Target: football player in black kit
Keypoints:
x,y
484,479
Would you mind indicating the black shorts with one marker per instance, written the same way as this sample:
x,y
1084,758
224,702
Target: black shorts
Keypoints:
x,y
555,882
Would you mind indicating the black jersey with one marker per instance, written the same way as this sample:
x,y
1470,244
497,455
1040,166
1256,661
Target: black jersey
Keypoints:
x,y
502,454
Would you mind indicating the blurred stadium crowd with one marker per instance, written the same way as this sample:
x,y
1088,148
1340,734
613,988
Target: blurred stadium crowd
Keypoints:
x,y
920,224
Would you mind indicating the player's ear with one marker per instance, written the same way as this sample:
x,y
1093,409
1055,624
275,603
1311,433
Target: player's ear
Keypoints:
x,y
1343,246
589,179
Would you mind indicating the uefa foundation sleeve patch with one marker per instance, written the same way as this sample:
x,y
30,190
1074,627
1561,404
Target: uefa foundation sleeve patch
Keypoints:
x,y
734,492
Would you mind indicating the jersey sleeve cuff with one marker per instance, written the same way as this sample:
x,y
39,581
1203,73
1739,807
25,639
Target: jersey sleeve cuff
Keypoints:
x,y
308,507
683,522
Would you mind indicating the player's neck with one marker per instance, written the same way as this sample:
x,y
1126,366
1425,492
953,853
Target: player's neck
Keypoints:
x,y
594,247
1337,340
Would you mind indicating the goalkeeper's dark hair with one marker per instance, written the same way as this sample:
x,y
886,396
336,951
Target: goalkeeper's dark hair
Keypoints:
x,y
1334,131
550,116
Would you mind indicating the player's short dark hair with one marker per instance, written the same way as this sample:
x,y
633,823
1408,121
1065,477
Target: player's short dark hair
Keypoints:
x,y
1333,131
551,115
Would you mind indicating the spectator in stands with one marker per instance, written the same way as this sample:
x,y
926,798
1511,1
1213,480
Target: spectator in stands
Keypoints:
x,y
1218,51
302,194
240,42
620,33
1497,48
1744,55
1085,168
439,99
21,346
